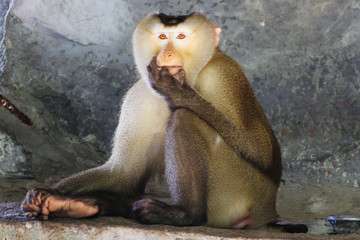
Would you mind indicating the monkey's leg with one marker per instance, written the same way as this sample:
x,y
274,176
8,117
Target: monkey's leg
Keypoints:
x,y
186,174
138,153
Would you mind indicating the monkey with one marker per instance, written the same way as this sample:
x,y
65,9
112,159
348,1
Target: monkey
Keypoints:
x,y
193,119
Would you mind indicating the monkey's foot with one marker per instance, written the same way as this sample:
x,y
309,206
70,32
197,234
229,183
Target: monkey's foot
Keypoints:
x,y
59,206
150,211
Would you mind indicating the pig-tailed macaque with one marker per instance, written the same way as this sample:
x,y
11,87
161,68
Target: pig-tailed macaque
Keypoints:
x,y
192,118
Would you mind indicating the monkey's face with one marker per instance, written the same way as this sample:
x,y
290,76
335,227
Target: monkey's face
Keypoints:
x,y
171,43
187,44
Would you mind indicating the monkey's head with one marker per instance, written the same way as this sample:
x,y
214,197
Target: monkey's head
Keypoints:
x,y
186,41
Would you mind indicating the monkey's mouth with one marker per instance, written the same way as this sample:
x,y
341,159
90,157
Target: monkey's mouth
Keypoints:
x,y
171,67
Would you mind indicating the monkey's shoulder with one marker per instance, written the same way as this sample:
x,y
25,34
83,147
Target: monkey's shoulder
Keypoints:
x,y
222,73
221,65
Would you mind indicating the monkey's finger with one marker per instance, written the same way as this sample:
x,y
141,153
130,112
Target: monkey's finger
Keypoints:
x,y
150,72
164,72
31,214
38,198
154,68
181,76
45,213
42,195
35,196
153,62
143,204
45,209
25,207
138,206
34,208
26,202
31,208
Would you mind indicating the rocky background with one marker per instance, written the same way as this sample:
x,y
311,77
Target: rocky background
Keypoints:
x,y
65,65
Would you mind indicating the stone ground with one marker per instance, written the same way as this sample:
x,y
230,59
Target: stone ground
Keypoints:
x,y
309,204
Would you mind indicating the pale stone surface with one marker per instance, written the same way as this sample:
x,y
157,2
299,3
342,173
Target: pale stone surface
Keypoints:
x,y
106,22
124,229
120,228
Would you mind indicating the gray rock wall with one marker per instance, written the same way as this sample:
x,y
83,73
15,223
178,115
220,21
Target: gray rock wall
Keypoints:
x,y
70,62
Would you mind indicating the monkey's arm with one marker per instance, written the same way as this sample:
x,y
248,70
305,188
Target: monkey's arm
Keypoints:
x,y
179,94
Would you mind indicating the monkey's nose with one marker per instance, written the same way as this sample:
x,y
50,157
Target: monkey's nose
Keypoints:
x,y
167,54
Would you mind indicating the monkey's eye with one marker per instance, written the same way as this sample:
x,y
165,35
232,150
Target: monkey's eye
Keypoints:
x,y
181,36
163,36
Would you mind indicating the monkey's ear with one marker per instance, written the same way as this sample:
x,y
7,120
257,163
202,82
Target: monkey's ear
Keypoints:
x,y
217,31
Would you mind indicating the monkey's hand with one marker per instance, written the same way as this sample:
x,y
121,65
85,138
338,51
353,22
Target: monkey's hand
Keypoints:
x,y
43,204
173,87
33,202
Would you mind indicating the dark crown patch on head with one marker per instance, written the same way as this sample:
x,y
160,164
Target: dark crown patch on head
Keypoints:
x,y
169,20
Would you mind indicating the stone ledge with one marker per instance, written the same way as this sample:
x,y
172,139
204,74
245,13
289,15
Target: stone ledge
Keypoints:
x,y
120,228
308,204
